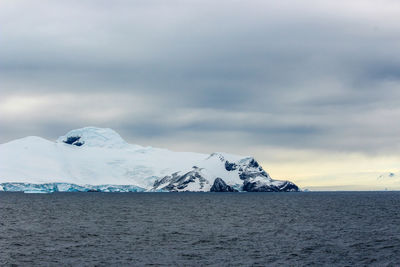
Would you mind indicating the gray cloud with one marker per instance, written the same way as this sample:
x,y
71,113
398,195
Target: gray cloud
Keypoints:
x,y
302,75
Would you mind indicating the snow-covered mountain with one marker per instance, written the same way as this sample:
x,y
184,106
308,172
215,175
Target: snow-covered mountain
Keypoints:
x,y
98,159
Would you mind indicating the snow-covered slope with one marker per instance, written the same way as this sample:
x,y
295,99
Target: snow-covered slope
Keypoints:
x,y
98,159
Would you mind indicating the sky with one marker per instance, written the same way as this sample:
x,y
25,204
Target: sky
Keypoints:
x,y
311,89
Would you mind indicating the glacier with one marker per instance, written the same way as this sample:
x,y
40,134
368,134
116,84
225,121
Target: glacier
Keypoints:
x,y
95,159
65,187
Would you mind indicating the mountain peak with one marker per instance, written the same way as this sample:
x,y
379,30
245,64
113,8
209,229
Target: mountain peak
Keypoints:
x,y
93,137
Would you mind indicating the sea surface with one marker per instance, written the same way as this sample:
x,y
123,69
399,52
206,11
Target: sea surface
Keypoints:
x,y
195,229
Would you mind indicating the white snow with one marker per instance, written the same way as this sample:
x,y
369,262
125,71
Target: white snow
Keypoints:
x,y
96,137
105,158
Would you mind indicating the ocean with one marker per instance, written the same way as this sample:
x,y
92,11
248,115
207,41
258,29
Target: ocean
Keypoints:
x,y
197,229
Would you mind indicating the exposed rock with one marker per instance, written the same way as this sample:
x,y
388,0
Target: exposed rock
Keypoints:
x,y
176,182
220,186
251,169
254,178
73,140
252,185
289,187
230,166
217,155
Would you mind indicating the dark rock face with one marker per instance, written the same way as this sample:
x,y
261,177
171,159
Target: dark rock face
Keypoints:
x,y
78,143
217,155
286,186
251,170
245,175
253,164
255,187
93,191
73,140
289,187
230,166
177,182
220,186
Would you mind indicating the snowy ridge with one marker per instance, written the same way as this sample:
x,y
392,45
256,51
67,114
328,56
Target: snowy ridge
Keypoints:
x,y
98,159
93,137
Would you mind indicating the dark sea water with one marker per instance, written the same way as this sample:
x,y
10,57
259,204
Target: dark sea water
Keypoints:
x,y
219,229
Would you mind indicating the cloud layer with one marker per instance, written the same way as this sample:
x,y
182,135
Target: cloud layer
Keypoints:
x,y
200,75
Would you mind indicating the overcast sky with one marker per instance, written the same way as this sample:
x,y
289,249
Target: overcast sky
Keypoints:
x,y
310,88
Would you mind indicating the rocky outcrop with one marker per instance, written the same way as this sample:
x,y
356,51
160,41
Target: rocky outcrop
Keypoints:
x,y
251,178
220,186
177,182
251,169
276,186
73,140
230,166
289,187
250,186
